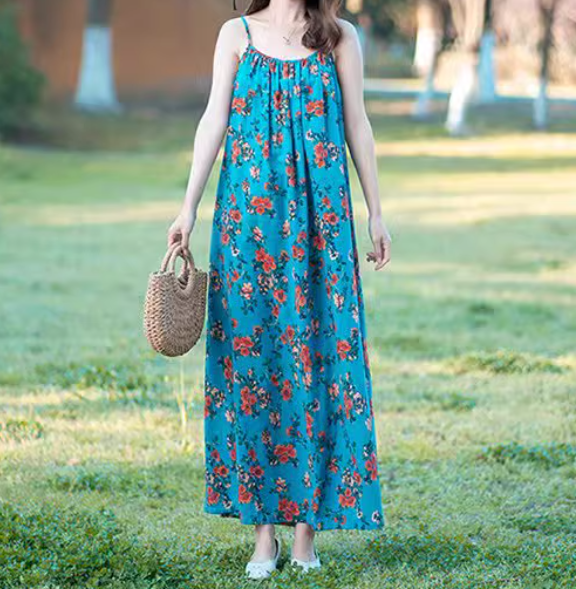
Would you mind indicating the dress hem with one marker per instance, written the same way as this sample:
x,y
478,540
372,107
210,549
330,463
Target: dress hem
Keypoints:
x,y
352,525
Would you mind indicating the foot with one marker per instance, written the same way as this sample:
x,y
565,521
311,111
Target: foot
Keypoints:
x,y
304,554
266,553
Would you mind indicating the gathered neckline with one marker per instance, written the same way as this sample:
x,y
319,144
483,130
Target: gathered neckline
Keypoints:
x,y
279,59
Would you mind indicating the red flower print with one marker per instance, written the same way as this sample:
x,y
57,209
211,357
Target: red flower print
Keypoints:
x,y
244,496
300,298
213,496
236,215
331,218
278,100
347,499
280,295
305,357
348,405
319,242
343,347
266,150
252,453
309,422
261,203
287,390
215,455
372,466
225,238
256,471
298,253
291,173
248,400
285,452
267,260
243,344
288,335
316,107
221,470
320,154
333,466
238,104
288,508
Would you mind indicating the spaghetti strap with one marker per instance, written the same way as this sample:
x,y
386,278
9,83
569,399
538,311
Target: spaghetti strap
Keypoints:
x,y
247,28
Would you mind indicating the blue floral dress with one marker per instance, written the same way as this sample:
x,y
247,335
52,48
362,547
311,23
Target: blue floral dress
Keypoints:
x,y
289,425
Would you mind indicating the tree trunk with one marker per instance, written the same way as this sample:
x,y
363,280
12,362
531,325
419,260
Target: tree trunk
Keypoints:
x,y
428,46
461,96
470,20
96,90
540,110
486,77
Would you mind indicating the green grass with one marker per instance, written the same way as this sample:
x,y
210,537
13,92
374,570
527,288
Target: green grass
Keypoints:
x,y
471,335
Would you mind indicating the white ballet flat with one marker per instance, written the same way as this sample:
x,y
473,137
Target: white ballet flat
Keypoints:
x,y
307,565
262,570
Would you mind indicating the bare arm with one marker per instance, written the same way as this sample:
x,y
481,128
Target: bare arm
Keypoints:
x,y
210,131
360,138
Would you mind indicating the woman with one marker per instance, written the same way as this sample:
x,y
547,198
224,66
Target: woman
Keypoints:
x,y
289,427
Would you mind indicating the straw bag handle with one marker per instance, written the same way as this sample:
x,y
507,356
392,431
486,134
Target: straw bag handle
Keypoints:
x,y
169,261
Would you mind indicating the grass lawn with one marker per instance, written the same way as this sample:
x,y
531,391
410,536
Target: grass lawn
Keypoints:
x,y
471,339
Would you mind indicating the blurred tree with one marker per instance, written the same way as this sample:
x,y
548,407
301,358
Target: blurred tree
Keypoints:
x,y
96,88
547,9
20,84
385,14
471,19
431,18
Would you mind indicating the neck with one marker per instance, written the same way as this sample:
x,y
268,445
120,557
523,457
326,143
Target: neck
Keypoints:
x,y
286,11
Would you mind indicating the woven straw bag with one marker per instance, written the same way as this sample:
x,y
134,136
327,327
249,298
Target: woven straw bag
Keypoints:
x,y
175,306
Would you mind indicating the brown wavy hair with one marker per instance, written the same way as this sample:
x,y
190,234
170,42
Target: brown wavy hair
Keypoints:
x,y
323,32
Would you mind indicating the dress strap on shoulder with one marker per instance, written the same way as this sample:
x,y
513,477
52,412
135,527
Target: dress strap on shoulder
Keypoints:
x,y
247,28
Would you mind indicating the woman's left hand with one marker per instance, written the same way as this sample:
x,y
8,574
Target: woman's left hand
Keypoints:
x,y
381,241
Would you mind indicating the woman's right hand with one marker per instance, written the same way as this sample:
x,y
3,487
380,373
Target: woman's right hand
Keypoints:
x,y
181,229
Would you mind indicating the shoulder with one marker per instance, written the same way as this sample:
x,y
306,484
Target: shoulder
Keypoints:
x,y
349,41
347,28
231,28
231,35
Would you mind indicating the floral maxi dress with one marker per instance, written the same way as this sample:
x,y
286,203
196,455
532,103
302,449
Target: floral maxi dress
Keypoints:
x,y
289,425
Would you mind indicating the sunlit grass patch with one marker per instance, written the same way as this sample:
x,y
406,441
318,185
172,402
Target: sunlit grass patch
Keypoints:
x,y
19,430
